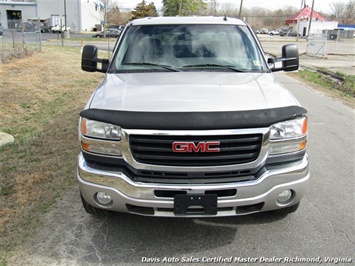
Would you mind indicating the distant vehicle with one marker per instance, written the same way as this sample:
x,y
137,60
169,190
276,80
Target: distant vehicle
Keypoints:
x,y
274,32
117,27
26,27
257,32
111,33
264,31
58,28
45,27
288,33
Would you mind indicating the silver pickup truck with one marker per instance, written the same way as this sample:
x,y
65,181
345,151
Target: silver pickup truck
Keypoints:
x,y
190,122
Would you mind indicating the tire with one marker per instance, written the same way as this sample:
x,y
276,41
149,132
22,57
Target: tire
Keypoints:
x,y
287,210
91,209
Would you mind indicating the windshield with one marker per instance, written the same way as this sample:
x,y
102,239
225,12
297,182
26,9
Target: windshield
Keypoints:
x,y
188,48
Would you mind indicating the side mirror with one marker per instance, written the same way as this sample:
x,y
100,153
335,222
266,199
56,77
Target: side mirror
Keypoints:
x,y
289,60
89,60
290,54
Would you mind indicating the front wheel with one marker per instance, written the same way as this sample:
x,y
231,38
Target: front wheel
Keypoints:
x,y
91,209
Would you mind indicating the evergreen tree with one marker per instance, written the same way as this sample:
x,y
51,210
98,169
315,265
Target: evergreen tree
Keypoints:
x,y
183,7
143,10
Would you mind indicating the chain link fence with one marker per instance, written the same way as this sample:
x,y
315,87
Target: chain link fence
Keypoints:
x,y
328,43
317,45
20,39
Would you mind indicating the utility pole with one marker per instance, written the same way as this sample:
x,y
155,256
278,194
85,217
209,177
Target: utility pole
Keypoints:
x,y
240,9
105,17
298,20
310,19
65,15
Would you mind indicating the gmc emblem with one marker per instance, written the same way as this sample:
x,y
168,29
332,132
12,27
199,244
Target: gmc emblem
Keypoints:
x,y
208,146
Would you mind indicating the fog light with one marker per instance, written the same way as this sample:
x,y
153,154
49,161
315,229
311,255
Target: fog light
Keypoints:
x,y
285,196
103,198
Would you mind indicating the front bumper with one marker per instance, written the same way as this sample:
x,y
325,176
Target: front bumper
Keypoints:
x,y
149,198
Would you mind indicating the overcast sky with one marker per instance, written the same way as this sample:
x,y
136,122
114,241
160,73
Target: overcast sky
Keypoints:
x,y
319,5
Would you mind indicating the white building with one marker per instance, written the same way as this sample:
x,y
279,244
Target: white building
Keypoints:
x,y
81,15
317,27
301,20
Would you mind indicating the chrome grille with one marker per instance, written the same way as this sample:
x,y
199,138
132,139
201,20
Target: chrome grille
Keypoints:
x,y
157,150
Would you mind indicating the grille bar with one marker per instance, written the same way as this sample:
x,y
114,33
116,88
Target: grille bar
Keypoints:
x,y
233,149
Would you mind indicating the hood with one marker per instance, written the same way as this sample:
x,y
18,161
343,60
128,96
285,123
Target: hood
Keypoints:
x,y
190,92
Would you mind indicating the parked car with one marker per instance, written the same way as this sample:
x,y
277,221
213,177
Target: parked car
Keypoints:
x,y
288,33
58,28
26,27
117,27
274,32
111,33
264,31
45,27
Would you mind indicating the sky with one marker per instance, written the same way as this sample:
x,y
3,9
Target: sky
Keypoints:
x,y
319,5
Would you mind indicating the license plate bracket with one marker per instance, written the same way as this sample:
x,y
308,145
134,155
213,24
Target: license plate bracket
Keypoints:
x,y
207,204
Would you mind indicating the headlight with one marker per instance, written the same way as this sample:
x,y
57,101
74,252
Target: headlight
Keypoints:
x,y
289,129
288,136
101,130
100,137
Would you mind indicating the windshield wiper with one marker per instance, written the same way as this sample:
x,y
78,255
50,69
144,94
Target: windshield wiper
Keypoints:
x,y
217,65
152,64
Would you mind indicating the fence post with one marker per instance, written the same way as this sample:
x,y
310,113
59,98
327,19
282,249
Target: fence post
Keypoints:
x,y
40,34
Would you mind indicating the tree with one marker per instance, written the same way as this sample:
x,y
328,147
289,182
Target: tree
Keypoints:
x,y
344,13
116,17
337,9
143,10
229,9
104,6
183,7
349,13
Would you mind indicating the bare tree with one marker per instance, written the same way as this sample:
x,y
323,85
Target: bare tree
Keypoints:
x,y
338,9
229,9
349,13
116,17
344,13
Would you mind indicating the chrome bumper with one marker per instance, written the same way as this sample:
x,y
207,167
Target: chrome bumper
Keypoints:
x,y
136,197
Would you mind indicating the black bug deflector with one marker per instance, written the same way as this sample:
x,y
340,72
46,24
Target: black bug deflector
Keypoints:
x,y
195,120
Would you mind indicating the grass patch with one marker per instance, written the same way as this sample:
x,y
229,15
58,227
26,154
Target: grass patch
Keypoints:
x,y
41,97
337,85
